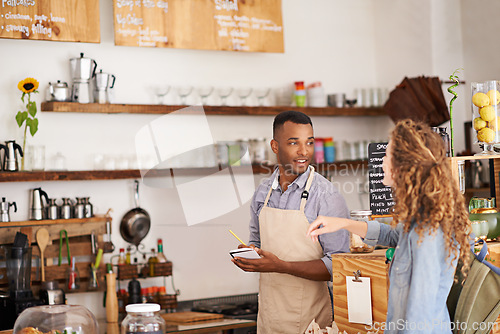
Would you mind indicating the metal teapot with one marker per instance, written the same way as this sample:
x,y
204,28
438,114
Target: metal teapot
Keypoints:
x,y
4,210
10,161
59,91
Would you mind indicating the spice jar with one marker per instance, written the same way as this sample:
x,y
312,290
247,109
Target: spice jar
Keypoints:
x,y
143,318
356,245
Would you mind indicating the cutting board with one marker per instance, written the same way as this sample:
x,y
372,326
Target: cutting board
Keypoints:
x,y
190,317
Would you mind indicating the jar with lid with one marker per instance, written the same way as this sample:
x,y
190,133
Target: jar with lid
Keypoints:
x,y
143,318
356,244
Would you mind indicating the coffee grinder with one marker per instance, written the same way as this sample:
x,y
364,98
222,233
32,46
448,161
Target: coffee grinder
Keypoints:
x,y
20,296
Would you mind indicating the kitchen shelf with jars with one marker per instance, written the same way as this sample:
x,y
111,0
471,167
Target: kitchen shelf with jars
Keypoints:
x,y
76,233
156,265
110,108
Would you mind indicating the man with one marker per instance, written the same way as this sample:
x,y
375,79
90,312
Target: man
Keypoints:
x,y
293,289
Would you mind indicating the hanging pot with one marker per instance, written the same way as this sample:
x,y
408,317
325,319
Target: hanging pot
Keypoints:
x,y
135,223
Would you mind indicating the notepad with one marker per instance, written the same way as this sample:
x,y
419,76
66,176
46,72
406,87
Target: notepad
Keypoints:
x,y
245,253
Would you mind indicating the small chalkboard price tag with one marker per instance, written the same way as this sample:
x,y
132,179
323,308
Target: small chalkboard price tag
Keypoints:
x,y
381,200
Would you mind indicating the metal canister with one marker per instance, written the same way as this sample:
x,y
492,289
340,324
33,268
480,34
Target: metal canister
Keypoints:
x,y
356,244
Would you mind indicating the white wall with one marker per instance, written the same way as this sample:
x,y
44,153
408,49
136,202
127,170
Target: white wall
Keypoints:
x,y
344,44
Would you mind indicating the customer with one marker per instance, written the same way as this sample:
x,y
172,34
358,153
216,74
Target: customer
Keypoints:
x,y
293,289
430,230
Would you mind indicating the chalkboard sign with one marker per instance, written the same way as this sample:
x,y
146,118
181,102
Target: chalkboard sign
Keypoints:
x,y
231,25
51,20
381,200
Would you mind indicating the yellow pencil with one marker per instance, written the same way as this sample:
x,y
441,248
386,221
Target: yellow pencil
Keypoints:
x,y
237,237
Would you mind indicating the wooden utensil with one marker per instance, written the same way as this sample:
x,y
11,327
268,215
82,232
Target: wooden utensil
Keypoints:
x,y
42,239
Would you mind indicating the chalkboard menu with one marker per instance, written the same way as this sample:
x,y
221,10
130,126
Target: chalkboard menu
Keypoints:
x,y
231,25
381,200
51,20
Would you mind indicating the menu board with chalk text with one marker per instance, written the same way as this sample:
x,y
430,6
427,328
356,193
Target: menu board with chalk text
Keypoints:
x,y
51,20
230,25
381,200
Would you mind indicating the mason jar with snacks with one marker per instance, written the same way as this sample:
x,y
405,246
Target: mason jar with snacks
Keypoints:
x,y
356,244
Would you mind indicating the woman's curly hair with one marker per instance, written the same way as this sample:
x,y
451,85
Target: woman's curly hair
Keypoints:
x,y
425,192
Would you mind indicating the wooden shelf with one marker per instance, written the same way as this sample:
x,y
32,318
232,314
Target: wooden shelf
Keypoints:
x,y
109,108
47,222
135,173
69,175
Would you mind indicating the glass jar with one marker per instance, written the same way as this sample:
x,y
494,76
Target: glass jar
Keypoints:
x,y
143,318
485,113
356,244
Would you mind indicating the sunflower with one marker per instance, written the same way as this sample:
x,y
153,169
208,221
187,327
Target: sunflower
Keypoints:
x,y
28,85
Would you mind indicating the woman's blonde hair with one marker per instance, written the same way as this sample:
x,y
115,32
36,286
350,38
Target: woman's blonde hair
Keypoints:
x,y
426,194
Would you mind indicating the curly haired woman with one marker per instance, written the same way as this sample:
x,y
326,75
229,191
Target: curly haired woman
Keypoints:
x,y
430,230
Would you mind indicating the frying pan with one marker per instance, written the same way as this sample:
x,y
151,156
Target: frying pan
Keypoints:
x,y
135,223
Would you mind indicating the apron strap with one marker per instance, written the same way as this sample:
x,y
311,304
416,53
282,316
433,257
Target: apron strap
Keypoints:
x,y
305,194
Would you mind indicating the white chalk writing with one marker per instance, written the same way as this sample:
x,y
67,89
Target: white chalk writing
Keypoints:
x,y
10,16
226,4
15,3
23,29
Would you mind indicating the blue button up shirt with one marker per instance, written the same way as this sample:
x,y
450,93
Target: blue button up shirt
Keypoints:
x,y
324,199
421,276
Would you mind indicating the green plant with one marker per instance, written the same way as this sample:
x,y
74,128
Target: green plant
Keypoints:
x,y
27,117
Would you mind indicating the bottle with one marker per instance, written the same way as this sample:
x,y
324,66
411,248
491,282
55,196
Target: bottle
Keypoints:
x,y
143,318
127,256
73,281
151,262
160,256
329,150
319,156
144,292
122,258
111,297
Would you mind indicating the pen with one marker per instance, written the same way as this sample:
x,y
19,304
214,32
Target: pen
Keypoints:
x,y
237,237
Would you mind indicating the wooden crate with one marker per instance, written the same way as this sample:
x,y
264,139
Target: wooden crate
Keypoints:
x,y
371,265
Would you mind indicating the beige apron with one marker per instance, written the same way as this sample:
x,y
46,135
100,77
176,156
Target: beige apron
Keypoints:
x,y
287,304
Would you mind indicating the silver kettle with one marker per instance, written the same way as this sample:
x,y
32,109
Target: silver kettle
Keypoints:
x,y
10,161
4,210
59,91
37,208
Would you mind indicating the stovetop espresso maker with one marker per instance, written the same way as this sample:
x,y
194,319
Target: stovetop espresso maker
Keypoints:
x,y
10,160
82,73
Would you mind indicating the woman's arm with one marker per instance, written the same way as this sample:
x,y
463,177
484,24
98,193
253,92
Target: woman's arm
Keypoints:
x,y
373,233
324,225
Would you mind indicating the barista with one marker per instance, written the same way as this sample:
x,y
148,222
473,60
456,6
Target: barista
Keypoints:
x,y
294,272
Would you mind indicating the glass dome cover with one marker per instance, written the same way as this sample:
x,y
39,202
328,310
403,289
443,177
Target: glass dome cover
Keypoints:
x,y
56,319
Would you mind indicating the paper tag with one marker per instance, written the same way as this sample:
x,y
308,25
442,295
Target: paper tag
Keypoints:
x,y
359,300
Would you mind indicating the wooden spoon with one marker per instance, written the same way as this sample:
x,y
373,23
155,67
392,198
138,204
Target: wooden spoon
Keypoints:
x,y
42,239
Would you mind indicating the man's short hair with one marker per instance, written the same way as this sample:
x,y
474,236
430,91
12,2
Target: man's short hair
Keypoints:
x,y
296,117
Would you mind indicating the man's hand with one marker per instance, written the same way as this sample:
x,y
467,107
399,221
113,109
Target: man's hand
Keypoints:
x,y
267,263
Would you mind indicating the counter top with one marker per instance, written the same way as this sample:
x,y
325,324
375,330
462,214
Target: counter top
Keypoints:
x,y
199,327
